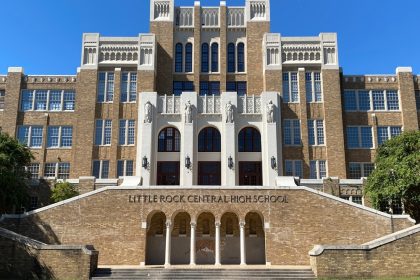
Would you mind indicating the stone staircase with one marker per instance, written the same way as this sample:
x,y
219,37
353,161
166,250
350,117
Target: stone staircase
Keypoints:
x,y
205,274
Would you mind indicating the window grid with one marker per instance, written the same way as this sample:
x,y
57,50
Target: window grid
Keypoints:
x,y
2,96
387,132
125,168
231,58
100,169
292,135
313,87
59,136
359,170
59,170
47,100
30,136
129,87
178,57
290,87
293,168
103,132
318,169
374,100
241,57
106,87
179,87
205,58
316,132
209,88
55,101
127,132
215,58
239,87
33,170
188,58
359,137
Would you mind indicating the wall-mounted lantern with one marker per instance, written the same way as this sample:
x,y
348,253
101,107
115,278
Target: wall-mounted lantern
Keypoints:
x,y
145,163
230,162
187,162
273,162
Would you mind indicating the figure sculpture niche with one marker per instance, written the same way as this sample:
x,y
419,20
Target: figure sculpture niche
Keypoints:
x,y
148,112
188,112
229,112
270,112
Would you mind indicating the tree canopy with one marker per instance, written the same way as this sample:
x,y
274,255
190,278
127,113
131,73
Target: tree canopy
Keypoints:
x,y
397,173
13,177
63,191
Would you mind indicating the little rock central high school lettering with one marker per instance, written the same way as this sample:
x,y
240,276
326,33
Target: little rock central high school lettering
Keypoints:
x,y
208,199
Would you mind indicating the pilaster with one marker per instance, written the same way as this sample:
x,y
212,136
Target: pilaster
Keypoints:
x,y
11,110
229,141
408,99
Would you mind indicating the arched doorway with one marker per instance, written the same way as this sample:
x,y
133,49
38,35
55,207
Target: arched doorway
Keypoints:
x,y
155,239
180,239
205,245
255,239
230,240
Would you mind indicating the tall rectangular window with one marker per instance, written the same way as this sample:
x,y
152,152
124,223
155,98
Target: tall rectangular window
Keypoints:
x,y
359,170
293,168
129,87
387,132
27,100
69,101
106,87
209,88
364,100
378,100
30,136
350,100
53,136
55,100
290,87
41,100
292,134
103,132
127,132
33,170
359,137
393,102
313,87
125,168
100,169
316,132
2,96
318,169
418,99
66,136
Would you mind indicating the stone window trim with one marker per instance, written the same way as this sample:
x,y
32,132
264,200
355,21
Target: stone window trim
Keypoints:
x,y
314,86
360,139
29,98
62,138
383,99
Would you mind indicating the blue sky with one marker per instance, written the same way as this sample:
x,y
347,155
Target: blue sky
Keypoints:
x,y
375,36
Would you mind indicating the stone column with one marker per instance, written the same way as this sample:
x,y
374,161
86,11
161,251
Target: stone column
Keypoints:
x,y
242,234
168,244
192,244
217,245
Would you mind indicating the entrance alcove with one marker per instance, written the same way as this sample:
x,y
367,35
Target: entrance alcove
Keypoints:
x,y
230,239
254,239
205,243
180,239
155,239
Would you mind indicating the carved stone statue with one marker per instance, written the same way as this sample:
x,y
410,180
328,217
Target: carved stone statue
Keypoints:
x,y
188,112
270,112
229,112
148,118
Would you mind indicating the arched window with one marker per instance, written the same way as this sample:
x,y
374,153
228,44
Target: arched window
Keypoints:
x,y
178,58
205,58
188,57
231,58
209,140
249,140
241,57
169,140
215,57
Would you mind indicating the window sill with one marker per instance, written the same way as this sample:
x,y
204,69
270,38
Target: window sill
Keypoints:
x,y
59,148
127,146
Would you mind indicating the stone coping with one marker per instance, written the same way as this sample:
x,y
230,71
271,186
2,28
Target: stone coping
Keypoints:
x,y
208,188
42,246
319,249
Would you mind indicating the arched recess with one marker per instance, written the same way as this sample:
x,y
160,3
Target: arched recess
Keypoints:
x,y
155,239
254,239
250,167
180,239
230,250
205,245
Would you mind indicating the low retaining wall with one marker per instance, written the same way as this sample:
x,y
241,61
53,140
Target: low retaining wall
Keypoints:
x,y
396,254
25,258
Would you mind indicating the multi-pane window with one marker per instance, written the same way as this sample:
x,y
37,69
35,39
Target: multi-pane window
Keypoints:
x,y
290,87
387,132
357,199
100,169
2,95
169,140
188,57
47,100
178,57
374,100
313,87
293,168
209,88
106,87
209,140
418,100
103,132
249,140
205,58
60,136
179,87
358,170
316,132
291,132
231,61
215,57
239,87
125,168
30,136
241,57
359,137
33,170
129,87
59,170
318,169
127,132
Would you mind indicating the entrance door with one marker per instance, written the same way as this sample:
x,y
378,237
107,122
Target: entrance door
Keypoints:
x,y
250,173
168,173
209,174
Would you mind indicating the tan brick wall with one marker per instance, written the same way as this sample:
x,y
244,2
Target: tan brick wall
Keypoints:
x,y
294,227
408,101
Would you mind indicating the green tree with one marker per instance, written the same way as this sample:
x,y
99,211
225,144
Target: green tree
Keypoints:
x,y
397,173
13,177
63,191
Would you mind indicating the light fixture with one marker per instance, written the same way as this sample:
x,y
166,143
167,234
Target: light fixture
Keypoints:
x,y
187,162
273,162
230,162
145,163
